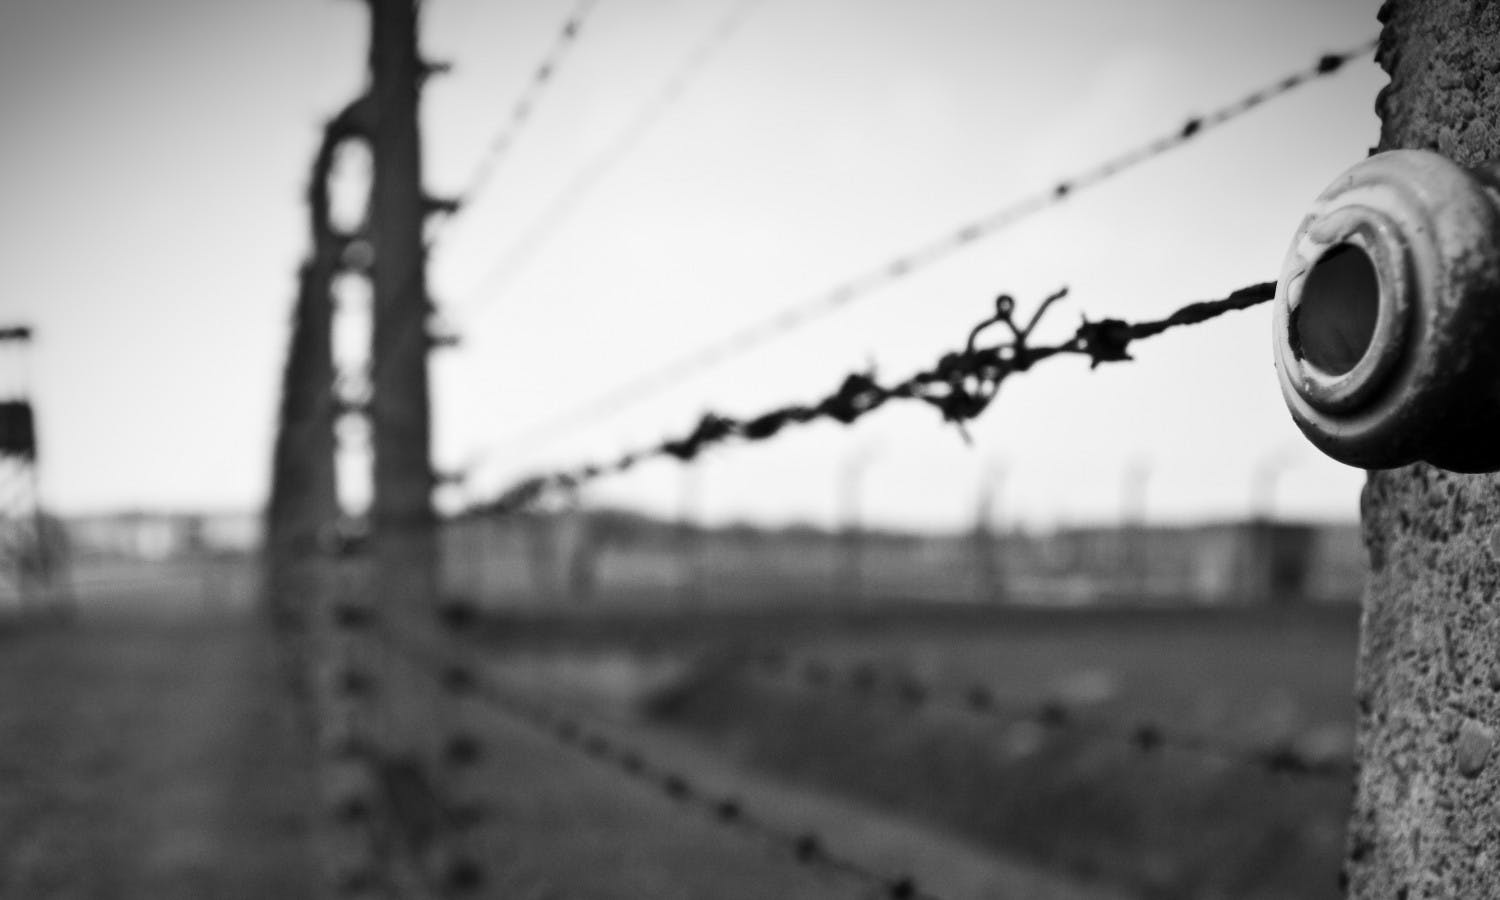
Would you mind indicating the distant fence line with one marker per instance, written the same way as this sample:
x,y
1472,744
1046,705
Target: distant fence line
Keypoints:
x,y
588,557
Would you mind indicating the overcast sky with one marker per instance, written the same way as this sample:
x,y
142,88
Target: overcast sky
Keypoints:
x,y
155,153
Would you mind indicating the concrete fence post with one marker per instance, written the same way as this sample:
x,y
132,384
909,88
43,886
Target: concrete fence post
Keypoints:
x,y
1426,820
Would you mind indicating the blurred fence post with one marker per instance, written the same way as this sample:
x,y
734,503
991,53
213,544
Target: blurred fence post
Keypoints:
x,y
403,538
1426,819
304,499
985,549
690,539
429,755
851,488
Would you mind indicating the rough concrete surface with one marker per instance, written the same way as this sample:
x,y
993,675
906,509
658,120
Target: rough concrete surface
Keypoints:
x,y
1427,812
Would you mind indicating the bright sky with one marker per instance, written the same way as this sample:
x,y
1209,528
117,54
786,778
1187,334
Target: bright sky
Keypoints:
x,y
156,151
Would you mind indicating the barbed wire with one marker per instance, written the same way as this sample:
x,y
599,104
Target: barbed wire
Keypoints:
x,y
410,833
893,270
869,681
601,165
453,207
960,386
571,730
563,204
520,113
899,267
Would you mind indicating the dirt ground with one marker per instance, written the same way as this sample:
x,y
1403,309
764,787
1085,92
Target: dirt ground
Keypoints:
x,y
162,758
1170,824
149,760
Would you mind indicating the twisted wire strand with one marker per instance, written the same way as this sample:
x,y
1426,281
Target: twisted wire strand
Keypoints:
x,y
895,269
960,386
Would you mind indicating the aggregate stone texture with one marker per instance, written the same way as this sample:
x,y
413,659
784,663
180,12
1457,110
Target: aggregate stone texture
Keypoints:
x,y
1427,807
1426,819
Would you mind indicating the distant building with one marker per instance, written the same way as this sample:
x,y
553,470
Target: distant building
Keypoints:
x,y
612,557
1245,562
160,535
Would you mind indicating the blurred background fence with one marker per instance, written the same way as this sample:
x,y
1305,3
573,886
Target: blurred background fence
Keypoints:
x,y
612,557
577,558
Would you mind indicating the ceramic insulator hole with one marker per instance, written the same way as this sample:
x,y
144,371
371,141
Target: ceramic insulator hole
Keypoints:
x,y
1334,322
